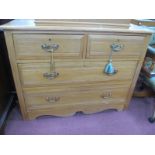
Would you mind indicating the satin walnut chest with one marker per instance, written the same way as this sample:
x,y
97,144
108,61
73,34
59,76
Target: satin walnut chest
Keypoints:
x,y
63,69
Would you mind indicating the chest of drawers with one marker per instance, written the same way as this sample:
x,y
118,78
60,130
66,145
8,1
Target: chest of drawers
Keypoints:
x,y
61,70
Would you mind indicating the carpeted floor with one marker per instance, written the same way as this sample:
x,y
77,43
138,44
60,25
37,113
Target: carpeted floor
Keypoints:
x,y
129,122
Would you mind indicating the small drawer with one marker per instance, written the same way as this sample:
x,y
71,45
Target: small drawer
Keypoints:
x,y
34,74
123,46
30,46
90,94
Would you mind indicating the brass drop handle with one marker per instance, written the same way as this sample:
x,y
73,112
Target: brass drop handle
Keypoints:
x,y
106,95
50,47
52,99
115,47
51,75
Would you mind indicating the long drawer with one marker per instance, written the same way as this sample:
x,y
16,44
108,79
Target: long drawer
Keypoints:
x,y
124,46
90,94
33,74
32,46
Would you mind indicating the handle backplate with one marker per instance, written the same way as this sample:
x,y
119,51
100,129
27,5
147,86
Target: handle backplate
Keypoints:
x,y
52,99
50,48
51,75
115,47
106,95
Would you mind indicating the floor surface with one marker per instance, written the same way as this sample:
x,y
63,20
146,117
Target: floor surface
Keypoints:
x,y
132,121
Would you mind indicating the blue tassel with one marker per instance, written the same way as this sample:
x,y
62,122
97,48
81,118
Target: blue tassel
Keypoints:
x,y
109,69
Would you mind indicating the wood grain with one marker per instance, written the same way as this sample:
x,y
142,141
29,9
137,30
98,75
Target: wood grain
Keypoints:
x,y
49,97
99,45
28,46
32,74
12,58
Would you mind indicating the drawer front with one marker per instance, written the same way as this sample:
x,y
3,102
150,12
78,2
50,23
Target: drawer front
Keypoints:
x,y
30,46
92,94
100,45
34,74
